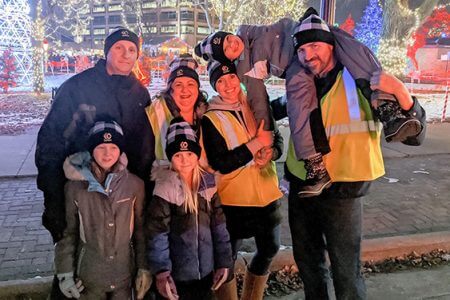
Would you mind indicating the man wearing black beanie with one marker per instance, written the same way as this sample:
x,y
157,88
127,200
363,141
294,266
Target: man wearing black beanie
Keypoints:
x,y
109,88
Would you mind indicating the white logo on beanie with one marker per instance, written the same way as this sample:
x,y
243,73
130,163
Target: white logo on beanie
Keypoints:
x,y
225,69
125,33
216,41
180,73
184,146
107,137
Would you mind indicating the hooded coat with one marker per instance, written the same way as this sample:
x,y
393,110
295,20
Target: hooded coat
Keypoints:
x,y
103,243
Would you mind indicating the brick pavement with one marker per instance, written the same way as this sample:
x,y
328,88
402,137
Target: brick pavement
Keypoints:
x,y
417,203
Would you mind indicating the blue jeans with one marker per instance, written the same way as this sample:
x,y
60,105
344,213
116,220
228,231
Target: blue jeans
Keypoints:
x,y
325,224
267,245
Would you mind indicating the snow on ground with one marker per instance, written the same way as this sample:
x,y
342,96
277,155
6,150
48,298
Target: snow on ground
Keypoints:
x,y
22,109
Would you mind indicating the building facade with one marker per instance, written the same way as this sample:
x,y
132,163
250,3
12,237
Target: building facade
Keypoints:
x,y
158,20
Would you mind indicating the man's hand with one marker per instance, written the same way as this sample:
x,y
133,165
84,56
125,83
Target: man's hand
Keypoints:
x,y
263,136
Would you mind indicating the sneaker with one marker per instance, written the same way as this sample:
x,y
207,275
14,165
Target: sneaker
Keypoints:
x,y
397,126
316,188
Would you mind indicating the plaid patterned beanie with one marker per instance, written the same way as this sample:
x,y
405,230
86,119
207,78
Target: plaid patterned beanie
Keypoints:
x,y
312,29
183,66
105,131
211,48
181,137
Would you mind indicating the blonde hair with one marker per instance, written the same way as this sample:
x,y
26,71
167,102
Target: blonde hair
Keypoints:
x,y
190,203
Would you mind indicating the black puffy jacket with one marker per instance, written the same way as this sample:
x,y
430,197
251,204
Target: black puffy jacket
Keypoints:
x,y
65,130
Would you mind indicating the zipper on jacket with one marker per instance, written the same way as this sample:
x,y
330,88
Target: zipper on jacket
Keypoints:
x,y
197,243
80,258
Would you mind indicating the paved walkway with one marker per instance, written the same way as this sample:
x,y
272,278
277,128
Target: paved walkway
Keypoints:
x,y
413,197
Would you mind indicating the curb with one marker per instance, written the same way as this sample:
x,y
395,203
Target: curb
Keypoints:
x,y
372,250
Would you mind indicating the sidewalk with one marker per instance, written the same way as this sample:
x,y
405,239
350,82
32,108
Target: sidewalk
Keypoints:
x,y
412,200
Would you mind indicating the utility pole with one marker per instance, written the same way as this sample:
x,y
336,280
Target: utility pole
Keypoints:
x,y
327,10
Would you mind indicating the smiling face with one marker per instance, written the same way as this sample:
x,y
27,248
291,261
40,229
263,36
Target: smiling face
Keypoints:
x,y
121,58
232,46
184,91
228,86
184,162
106,155
317,57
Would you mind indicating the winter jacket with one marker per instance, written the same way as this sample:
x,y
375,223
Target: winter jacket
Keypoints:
x,y
65,130
188,245
103,243
267,51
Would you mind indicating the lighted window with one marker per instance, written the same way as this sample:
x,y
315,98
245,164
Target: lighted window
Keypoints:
x,y
202,30
168,3
168,29
114,7
98,31
187,29
98,8
149,4
150,29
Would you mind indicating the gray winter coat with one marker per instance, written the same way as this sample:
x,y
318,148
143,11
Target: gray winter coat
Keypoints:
x,y
267,51
190,246
103,243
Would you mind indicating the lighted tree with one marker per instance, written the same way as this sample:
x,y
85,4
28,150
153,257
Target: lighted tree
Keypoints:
x,y
399,22
368,30
348,25
7,70
435,26
15,33
38,51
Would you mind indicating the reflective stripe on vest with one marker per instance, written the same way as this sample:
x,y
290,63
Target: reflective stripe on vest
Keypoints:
x,y
231,134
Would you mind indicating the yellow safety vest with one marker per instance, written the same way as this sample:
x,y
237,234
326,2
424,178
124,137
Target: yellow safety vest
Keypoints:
x,y
352,132
248,185
159,116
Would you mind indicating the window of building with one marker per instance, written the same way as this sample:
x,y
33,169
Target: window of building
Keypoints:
x,y
116,19
131,19
149,17
99,21
114,7
168,3
186,15
98,31
202,30
85,31
168,29
98,41
187,3
168,16
150,29
149,4
187,29
201,17
98,8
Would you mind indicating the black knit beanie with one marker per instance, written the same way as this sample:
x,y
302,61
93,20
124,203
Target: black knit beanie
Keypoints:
x,y
211,48
181,138
217,70
184,66
105,131
312,29
119,35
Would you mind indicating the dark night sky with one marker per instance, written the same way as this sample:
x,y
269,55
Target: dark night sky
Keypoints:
x,y
355,7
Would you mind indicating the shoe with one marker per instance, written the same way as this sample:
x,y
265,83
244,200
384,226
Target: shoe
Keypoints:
x,y
316,188
397,126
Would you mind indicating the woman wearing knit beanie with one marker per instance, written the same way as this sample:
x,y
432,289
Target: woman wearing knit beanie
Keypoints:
x,y
181,98
242,153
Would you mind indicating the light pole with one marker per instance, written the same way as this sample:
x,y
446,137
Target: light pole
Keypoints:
x,y
327,10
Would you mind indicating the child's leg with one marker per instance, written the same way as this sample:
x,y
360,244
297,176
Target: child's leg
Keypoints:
x,y
196,289
397,126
